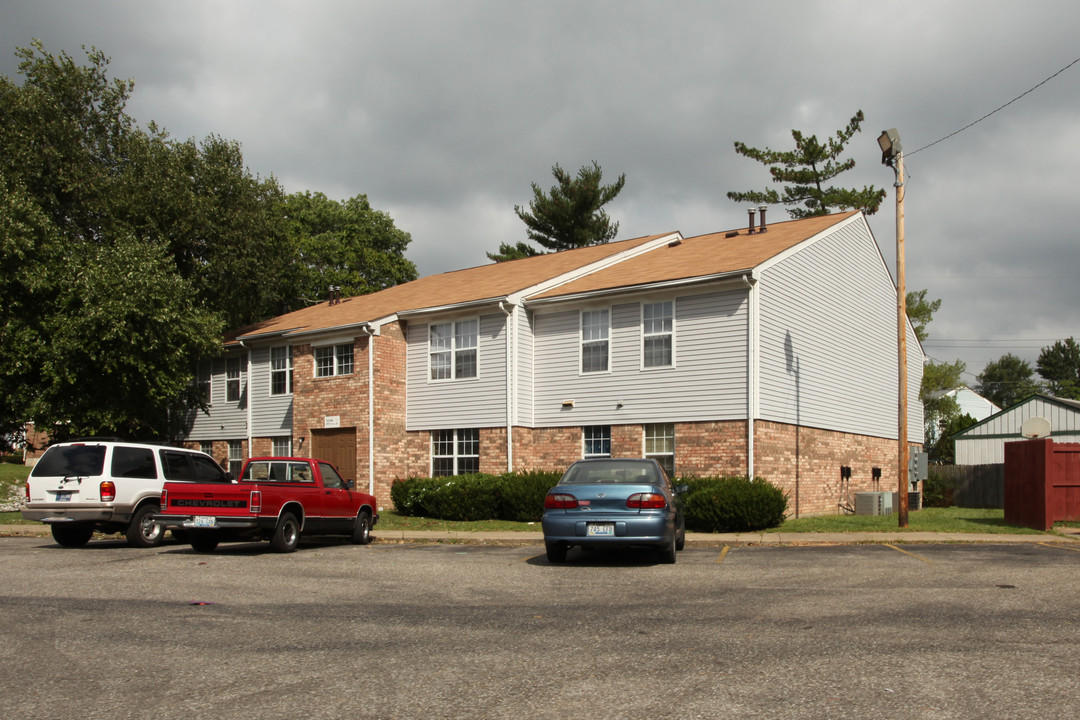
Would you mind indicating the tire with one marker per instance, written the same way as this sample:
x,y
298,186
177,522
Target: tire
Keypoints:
x,y
72,535
286,535
680,537
556,552
361,534
203,542
143,531
666,554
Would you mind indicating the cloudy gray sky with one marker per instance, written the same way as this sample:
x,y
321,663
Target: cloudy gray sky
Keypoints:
x,y
442,113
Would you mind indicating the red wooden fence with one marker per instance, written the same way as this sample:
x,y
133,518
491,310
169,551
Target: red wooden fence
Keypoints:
x,y
1042,483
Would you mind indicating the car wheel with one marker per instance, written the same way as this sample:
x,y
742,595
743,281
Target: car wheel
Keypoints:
x,y
203,542
143,531
667,553
73,535
556,552
680,537
286,535
361,534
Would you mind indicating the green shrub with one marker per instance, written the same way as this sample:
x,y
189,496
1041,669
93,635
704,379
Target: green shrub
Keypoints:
x,y
464,497
522,494
936,493
732,504
408,495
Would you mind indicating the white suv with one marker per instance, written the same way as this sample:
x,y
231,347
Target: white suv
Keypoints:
x,y
82,486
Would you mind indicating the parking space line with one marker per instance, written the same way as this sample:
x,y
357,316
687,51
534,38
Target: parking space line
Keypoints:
x,y
917,557
723,554
1060,546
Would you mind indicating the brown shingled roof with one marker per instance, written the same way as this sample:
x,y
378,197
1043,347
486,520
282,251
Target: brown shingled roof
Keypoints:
x,y
493,281
700,256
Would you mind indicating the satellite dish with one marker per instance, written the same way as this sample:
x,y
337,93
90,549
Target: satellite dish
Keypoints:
x,y
1035,427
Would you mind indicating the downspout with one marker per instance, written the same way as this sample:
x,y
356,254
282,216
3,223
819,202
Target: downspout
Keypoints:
x,y
250,431
511,386
751,369
366,329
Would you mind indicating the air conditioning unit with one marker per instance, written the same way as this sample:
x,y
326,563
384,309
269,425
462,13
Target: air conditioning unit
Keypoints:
x,y
874,503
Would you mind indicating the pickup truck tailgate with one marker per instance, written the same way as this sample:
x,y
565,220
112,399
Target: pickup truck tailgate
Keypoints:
x,y
202,499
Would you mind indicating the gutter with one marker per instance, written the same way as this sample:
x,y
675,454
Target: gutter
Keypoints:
x,y
370,333
752,371
511,384
250,429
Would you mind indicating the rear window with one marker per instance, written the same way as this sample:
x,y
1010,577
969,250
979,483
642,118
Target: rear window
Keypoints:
x,y
71,461
611,472
277,471
133,462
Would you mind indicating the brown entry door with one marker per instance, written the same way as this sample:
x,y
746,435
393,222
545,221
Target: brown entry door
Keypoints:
x,y
338,447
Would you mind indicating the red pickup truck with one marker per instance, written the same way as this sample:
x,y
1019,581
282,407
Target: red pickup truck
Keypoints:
x,y
275,499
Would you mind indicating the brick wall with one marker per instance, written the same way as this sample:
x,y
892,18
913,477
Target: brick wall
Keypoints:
x,y
805,462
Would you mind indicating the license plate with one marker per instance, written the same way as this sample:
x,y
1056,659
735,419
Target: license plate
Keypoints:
x,y
63,497
600,529
204,521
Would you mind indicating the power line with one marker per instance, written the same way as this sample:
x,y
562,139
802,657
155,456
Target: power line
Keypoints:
x,y
1077,60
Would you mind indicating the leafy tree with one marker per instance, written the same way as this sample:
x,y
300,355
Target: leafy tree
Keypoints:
x,y
804,173
1059,366
346,244
920,312
939,409
1007,380
513,252
569,216
943,450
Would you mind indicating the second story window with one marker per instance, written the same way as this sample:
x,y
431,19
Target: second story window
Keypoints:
x,y
204,382
452,349
595,325
281,370
333,360
232,379
657,330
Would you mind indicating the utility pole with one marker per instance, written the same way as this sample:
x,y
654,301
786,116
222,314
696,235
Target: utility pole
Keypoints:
x,y
893,156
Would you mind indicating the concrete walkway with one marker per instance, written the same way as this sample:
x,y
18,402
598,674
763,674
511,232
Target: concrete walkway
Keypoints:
x,y
1066,535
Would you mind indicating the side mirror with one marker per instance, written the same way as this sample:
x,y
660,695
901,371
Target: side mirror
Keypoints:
x,y
680,489
350,484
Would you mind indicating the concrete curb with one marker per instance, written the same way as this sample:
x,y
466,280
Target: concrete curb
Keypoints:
x,y
1068,535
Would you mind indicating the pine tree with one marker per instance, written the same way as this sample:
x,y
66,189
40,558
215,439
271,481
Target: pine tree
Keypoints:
x,y
804,173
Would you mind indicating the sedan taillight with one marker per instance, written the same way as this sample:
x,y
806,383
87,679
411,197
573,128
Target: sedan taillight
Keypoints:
x,y
560,501
646,501
108,491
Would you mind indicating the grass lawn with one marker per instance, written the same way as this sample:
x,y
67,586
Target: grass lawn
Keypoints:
x,y
947,520
12,477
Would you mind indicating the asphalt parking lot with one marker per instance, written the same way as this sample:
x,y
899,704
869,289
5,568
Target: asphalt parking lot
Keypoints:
x,y
470,631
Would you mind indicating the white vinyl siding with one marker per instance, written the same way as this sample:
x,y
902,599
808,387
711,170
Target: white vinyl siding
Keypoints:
x,y
477,402
708,384
272,414
223,419
827,347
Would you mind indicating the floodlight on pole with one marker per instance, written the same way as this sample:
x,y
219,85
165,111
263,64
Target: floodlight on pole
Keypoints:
x,y
893,155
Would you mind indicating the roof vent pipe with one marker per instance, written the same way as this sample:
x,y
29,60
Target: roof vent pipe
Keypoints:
x,y
762,209
750,211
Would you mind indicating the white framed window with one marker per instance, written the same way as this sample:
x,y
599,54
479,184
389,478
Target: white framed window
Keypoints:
x,y
455,452
281,370
207,447
452,349
658,334
232,379
333,360
236,457
595,346
596,441
204,382
660,446
282,447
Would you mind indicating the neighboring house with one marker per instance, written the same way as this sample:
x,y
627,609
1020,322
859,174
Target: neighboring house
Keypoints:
x,y
972,403
768,352
984,442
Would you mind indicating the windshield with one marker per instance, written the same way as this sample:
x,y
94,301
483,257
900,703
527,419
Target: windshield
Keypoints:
x,y
71,461
613,471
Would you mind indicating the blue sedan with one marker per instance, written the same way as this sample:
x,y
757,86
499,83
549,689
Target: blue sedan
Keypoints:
x,y
608,503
